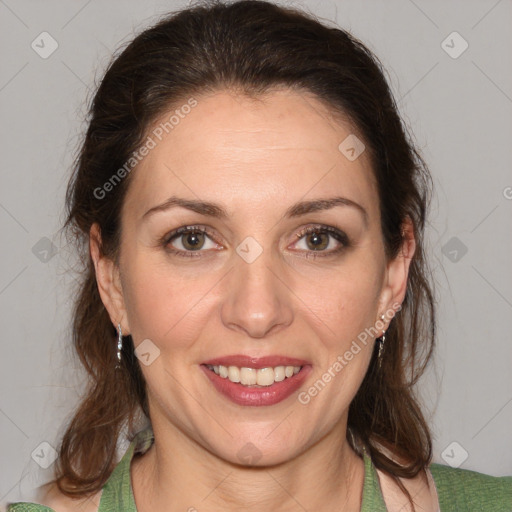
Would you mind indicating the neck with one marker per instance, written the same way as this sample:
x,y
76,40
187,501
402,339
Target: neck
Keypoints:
x,y
177,473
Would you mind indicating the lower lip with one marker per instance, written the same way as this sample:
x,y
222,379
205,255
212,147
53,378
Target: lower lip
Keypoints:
x,y
267,395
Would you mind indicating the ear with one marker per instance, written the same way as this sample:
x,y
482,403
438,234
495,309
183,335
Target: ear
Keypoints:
x,y
109,281
397,272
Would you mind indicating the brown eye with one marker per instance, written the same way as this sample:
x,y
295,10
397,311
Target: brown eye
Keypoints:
x,y
317,239
188,240
192,241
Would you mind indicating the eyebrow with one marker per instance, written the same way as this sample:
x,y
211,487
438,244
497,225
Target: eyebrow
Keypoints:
x,y
217,211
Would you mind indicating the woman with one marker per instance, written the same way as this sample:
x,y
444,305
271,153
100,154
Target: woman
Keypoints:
x,y
255,285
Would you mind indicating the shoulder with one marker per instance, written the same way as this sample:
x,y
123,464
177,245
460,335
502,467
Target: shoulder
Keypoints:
x,y
50,499
461,487
419,487
23,506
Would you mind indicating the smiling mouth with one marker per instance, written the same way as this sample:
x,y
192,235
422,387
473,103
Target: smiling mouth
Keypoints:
x,y
254,377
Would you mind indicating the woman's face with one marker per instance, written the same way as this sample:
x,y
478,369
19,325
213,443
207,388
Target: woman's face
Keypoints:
x,y
255,283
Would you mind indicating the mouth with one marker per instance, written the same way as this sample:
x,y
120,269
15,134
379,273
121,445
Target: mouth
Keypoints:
x,y
255,377
250,386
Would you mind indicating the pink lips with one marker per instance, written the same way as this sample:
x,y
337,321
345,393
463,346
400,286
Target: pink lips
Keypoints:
x,y
257,396
256,362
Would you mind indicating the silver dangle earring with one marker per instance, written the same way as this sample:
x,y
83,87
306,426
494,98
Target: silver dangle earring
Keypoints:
x,y
381,343
119,346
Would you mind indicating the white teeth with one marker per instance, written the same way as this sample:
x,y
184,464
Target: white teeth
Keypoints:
x,y
255,377
265,377
234,374
248,376
279,374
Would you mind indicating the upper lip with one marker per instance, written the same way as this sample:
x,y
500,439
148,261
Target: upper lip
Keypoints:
x,y
241,360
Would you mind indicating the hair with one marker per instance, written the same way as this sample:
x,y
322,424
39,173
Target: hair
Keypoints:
x,y
252,47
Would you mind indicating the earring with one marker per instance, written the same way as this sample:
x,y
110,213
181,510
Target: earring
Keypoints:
x,y
119,346
381,343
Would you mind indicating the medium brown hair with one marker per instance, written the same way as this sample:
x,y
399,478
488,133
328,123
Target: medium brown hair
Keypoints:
x,y
250,46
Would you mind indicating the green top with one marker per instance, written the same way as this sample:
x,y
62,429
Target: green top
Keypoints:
x,y
459,490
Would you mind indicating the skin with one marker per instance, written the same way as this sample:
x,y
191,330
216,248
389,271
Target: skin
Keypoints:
x,y
256,158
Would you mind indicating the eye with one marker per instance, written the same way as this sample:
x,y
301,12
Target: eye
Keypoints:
x,y
190,241
186,240
317,239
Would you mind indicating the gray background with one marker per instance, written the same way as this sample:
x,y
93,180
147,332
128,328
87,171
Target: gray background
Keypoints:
x,y
459,110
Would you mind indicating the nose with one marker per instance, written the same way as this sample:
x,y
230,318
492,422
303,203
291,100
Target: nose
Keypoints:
x,y
258,301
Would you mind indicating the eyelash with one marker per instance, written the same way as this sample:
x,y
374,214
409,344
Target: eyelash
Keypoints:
x,y
337,234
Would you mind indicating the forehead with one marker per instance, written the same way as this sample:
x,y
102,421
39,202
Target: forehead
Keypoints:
x,y
238,151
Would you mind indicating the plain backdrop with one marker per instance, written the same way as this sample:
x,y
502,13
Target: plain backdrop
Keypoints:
x,y
457,102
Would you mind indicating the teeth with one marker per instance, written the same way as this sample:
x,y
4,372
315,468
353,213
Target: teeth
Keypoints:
x,y
265,377
234,374
279,373
255,377
248,376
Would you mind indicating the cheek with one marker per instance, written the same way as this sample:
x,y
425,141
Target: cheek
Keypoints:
x,y
347,308
357,305
344,301
163,304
